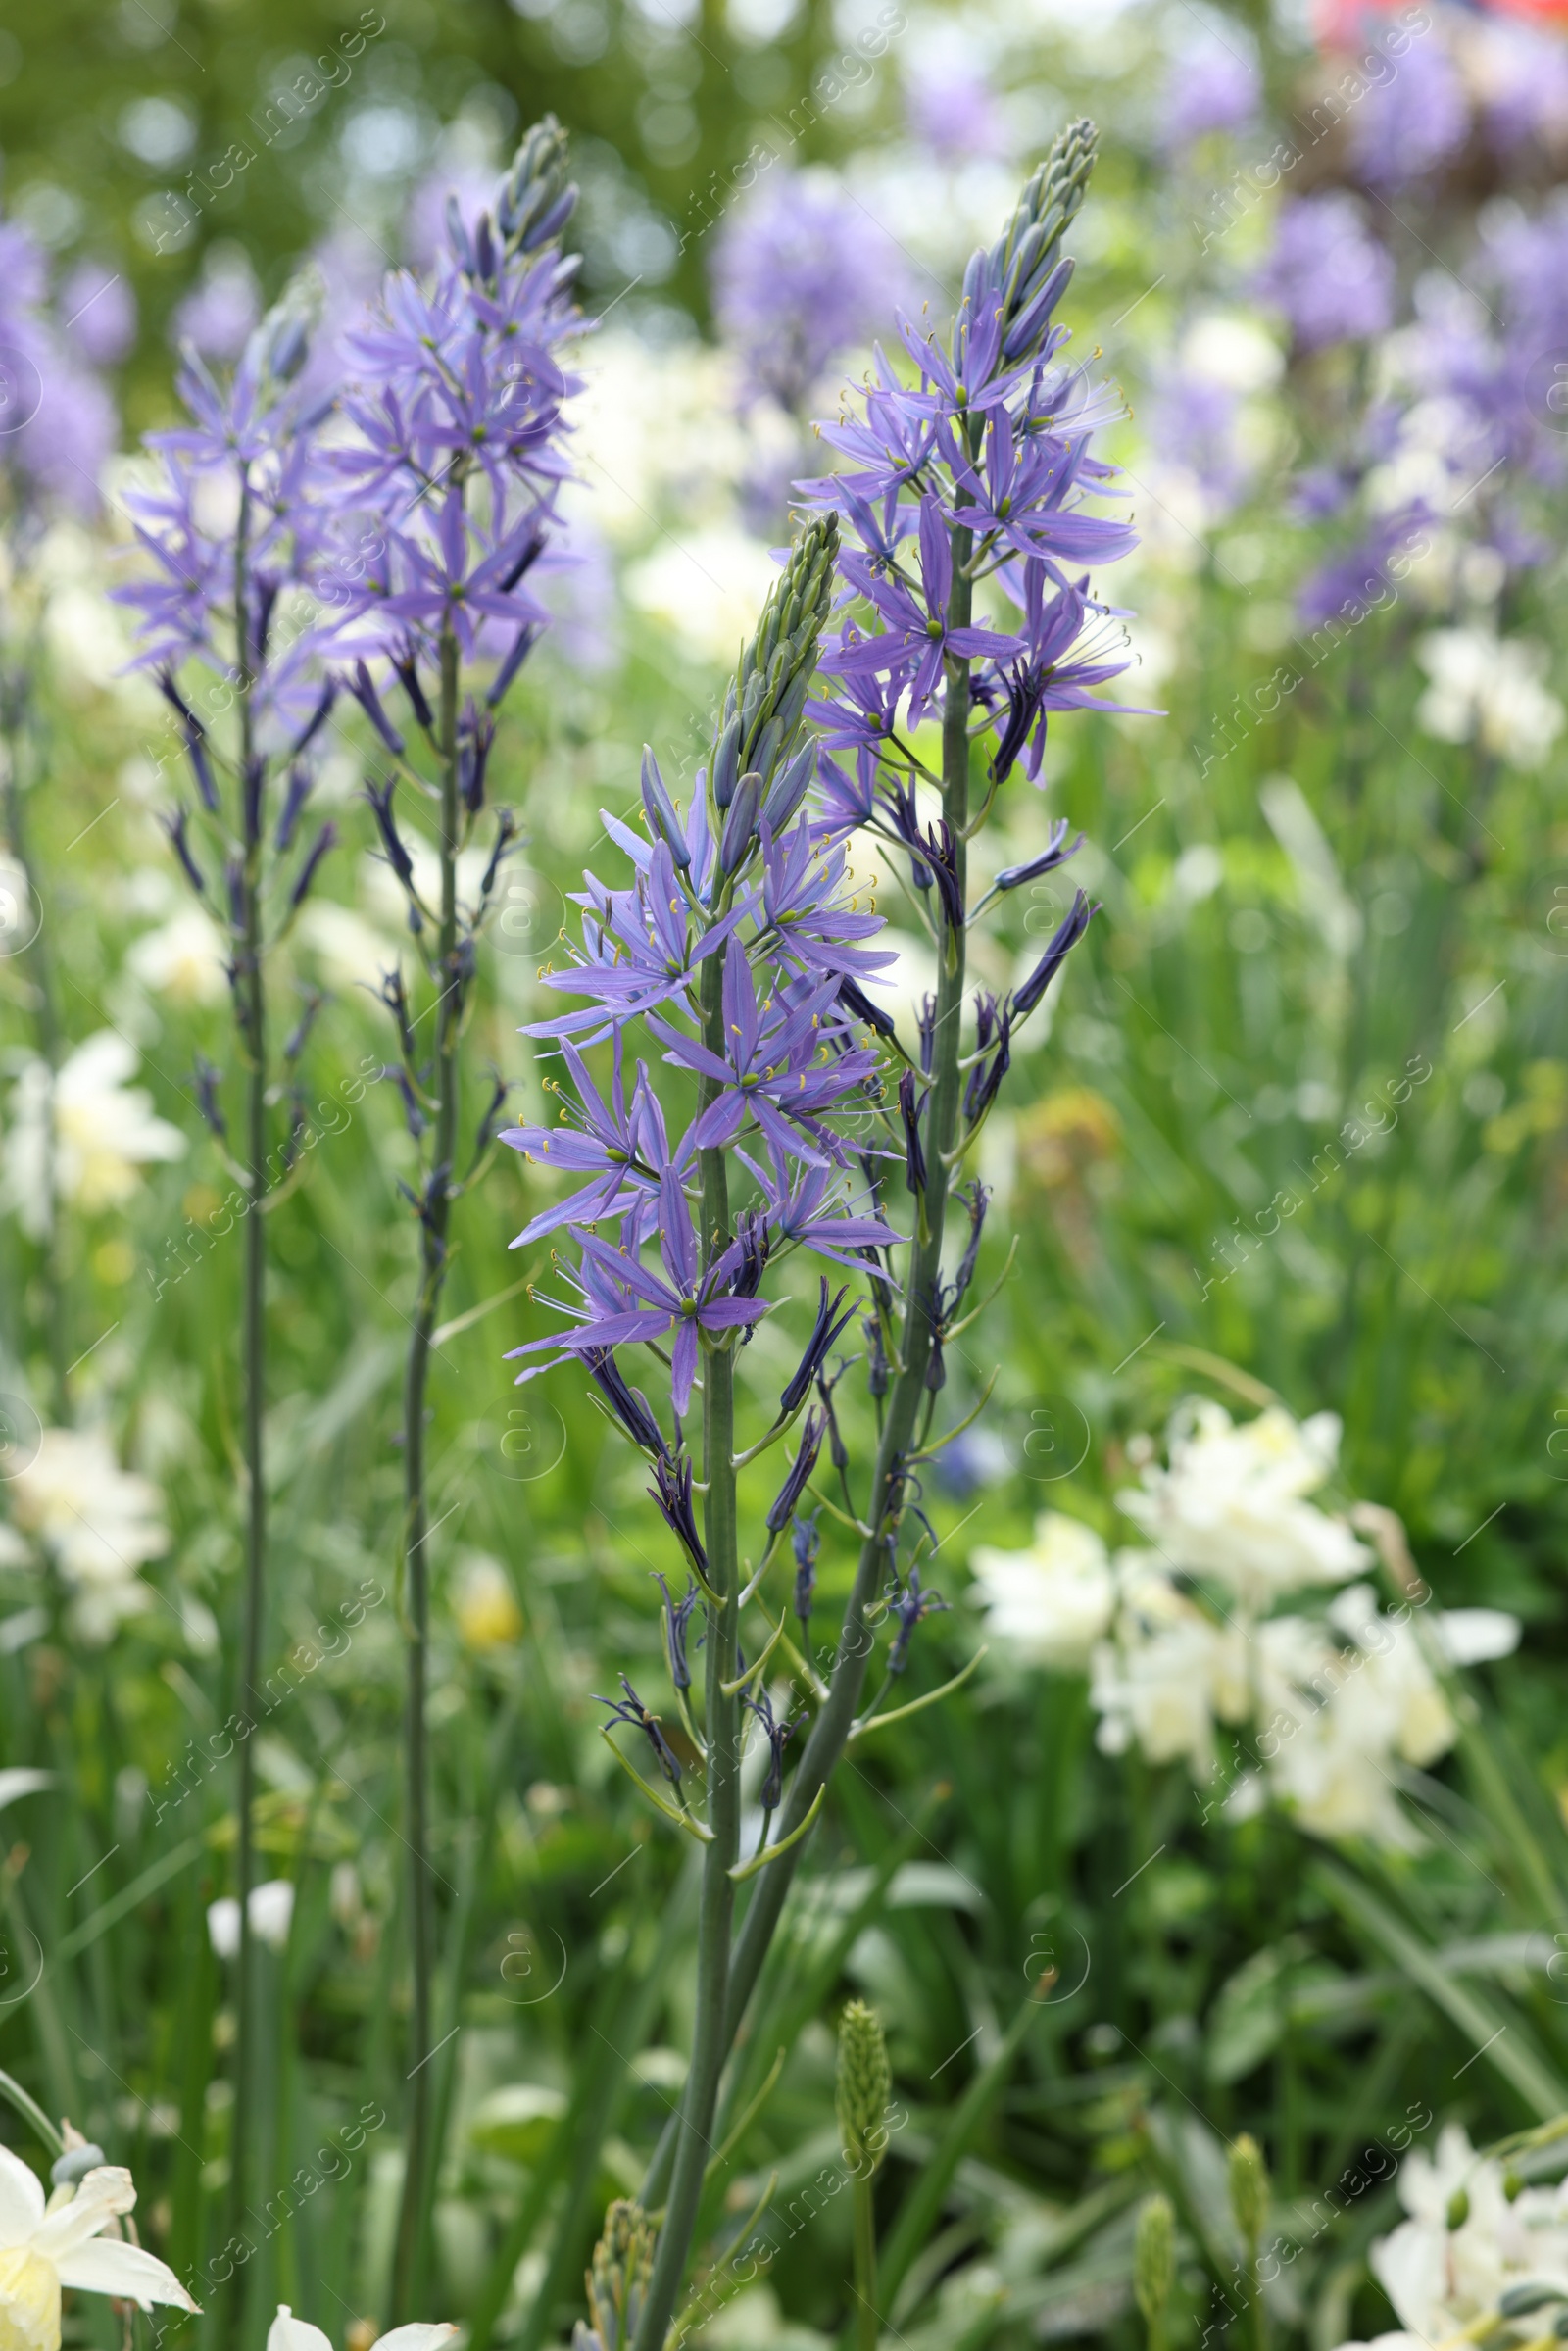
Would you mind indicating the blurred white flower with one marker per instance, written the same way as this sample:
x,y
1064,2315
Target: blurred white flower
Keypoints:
x,y
97,1521
1231,1506
706,588
1489,690
271,1909
46,2246
1445,2281
289,2334
1050,1604
105,1132
182,960
484,1606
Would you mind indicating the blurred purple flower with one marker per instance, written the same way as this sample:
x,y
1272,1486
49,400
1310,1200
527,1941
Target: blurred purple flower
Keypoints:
x,y
219,313
1405,129
1215,86
1525,83
98,311
76,427
1360,575
798,272
1192,422
1331,279
424,223
950,107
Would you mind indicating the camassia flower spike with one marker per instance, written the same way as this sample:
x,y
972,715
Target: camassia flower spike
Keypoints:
x,y
740,949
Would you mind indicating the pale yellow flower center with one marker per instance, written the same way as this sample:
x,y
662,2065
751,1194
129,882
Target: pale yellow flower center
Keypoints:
x,y
30,2301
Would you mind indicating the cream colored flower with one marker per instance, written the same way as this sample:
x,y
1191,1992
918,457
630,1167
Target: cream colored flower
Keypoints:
x,y
46,2246
1050,1604
1442,2280
105,1132
289,2334
485,1605
98,1522
182,960
1231,1506
1489,690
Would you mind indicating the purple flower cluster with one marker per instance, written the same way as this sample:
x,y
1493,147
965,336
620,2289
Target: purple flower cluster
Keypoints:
x,y
454,458
800,273
982,469
745,887
1213,85
1326,273
1407,128
58,422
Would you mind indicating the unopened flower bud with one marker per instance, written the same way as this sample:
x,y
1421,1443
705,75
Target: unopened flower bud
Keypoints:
x,y
1154,2257
864,2083
617,2280
1249,2185
1458,2211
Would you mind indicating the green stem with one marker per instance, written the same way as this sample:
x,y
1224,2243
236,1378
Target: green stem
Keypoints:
x,y
1257,2308
46,1020
868,2326
693,2138
906,1397
410,2261
251,1002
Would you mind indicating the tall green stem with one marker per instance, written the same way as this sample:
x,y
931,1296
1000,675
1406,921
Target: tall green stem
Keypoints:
x,y
710,2040
867,2328
251,1005
410,2262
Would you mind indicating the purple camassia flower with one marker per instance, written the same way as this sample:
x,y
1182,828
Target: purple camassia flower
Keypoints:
x,y
806,1206
1332,280
259,431
98,314
950,107
1407,128
798,274
1192,422
623,1302
778,1067
624,1146
918,639
1060,671
459,368
424,223
1215,85
805,912
218,315
641,949
1525,71
1358,576
59,421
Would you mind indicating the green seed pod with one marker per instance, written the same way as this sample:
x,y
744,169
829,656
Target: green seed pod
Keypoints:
x,y
1513,2185
1458,2208
617,2280
1154,2257
1249,2185
864,2081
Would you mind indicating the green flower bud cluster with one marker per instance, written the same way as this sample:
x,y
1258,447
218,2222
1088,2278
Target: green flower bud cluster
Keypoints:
x,y
765,701
1155,2259
864,2086
1249,2185
617,2280
1025,259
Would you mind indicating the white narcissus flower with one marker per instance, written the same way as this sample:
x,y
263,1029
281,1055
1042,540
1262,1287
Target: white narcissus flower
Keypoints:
x,y
1050,1604
105,1132
1232,1504
1444,2282
98,1522
44,2247
1491,689
182,960
289,2334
